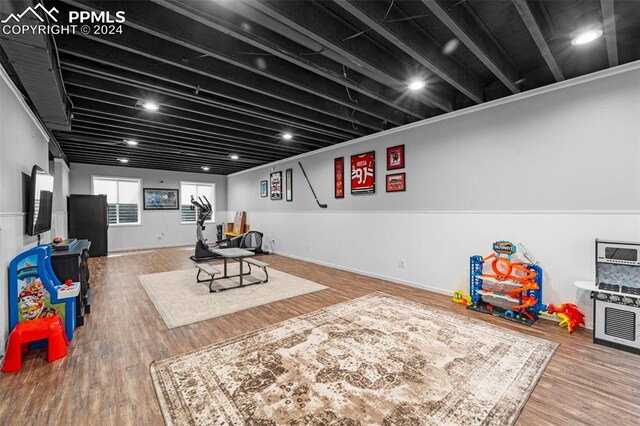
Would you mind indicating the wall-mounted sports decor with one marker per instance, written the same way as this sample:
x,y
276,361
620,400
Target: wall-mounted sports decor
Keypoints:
x,y
338,173
276,186
363,173
264,188
288,184
395,157
160,199
396,182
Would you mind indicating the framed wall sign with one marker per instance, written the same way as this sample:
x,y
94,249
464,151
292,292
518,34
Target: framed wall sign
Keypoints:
x,y
161,199
264,188
396,182
276,186
288,184
395,157
363,173
338,173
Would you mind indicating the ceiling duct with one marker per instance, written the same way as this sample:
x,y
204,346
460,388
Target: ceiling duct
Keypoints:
x,y
34,58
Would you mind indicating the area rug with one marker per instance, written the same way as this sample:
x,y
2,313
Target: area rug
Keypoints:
x,y
180,300
374,360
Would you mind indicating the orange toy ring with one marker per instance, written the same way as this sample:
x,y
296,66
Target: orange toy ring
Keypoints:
x,y
506,264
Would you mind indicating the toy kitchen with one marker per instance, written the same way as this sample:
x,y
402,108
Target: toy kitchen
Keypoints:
x,y
616,295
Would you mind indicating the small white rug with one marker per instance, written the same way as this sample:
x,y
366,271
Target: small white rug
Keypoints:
x,y
180,300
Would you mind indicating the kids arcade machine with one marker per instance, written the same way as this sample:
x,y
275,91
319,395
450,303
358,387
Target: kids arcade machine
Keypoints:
x,y
35,292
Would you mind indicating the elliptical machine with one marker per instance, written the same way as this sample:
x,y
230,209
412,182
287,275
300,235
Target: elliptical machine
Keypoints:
x,y
203,209
251,240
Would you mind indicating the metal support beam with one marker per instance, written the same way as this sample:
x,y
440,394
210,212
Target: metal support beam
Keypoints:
x,y
530,21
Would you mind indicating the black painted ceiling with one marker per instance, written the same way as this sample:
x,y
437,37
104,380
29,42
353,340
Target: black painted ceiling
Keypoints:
x,y
232,76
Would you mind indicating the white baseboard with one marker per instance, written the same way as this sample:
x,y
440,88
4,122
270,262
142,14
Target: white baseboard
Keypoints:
x,y
121,249
588,326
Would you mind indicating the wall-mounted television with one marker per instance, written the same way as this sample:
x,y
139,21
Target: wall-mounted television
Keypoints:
x,y
40,202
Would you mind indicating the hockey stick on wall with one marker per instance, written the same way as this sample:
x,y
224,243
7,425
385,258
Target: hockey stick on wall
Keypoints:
x,y
322,206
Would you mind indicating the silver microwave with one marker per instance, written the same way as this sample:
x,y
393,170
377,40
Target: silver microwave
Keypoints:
x,y
621,253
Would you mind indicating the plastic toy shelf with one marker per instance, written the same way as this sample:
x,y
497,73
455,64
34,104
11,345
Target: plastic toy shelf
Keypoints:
x,y
499,296
495,280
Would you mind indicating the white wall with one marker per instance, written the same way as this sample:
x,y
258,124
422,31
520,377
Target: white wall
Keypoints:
x,y
158,228
22,145
60,171
552,168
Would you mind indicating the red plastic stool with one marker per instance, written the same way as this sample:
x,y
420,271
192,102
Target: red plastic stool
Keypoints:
x,y
50,328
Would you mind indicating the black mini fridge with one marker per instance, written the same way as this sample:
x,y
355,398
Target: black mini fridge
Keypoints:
x,y
88,220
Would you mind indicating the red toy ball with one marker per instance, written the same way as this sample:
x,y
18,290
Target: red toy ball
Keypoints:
x,y
68,283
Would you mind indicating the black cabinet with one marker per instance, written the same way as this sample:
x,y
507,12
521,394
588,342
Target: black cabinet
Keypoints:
x,y
73,265
88,220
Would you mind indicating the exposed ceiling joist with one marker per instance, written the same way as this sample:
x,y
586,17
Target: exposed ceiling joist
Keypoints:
x,y
187,110
609,28
87,126
78,155
154,151
305,31
465,28
417,44
260,38
530,21
155,32
213,80
200,98
131,127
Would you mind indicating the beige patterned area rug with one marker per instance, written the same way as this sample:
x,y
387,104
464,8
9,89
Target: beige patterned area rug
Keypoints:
x,y
180,300
374,360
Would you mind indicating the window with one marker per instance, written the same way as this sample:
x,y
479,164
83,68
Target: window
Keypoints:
x,y
123,199
187,189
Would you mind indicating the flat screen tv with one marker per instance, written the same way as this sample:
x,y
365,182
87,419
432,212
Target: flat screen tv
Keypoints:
x,y
40,202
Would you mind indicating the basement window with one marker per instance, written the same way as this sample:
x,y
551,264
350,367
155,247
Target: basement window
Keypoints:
x,y
187,189
123,199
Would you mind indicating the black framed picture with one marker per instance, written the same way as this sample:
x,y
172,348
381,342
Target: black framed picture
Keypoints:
x,y
276,185
161,199
264,188
288,184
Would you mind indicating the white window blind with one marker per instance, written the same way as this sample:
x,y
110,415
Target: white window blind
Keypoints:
x,y
123,199
187,189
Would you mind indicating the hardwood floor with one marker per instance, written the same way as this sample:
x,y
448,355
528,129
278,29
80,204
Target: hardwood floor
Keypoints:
x,y
105,378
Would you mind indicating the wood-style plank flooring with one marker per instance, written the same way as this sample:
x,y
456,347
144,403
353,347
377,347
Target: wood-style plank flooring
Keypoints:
x,y
105,378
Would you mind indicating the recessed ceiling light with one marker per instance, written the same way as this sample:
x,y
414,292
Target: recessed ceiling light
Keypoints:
x,y
123,160
234,156
287,136
205,168
586,36
416,84
131,142
150,106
